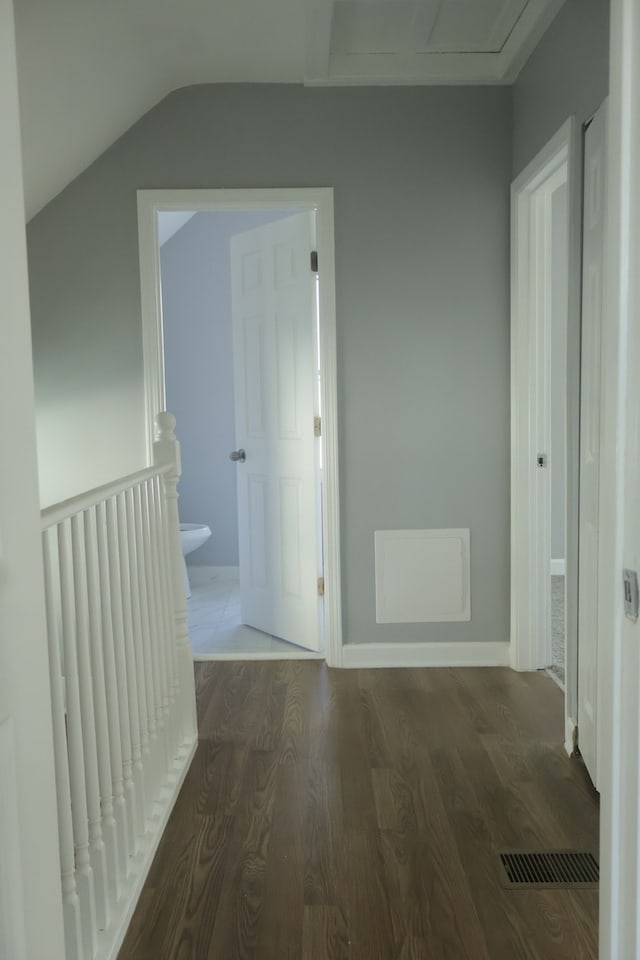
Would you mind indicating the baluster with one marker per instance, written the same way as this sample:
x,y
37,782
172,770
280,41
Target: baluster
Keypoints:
x,y
166,637
161,651
111,692
121,672
89,738
165,575
70,900
80,816
145,641
137,645
154,601
97,644
130,663
167,451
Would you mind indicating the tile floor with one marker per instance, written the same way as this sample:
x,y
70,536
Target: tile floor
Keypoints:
x,y
214,621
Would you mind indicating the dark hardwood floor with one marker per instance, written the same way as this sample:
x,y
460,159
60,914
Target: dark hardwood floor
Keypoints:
x,y
355,815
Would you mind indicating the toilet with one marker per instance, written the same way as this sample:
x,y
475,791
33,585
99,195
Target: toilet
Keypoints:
x,y
192,536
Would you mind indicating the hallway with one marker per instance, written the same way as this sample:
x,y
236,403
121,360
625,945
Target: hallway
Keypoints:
x,y
357,814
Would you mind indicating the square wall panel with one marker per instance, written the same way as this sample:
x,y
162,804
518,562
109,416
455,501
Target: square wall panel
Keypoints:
x,y
422,576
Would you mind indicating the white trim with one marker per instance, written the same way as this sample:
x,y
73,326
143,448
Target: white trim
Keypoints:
x,y
318,20
536,18
619,505
570,732
151,308
558,568
201,574
572,498
267,655
556,679
31,908
319,199
530,417
464,654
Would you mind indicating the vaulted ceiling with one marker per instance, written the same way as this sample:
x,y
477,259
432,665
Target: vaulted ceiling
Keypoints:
x,y
88,69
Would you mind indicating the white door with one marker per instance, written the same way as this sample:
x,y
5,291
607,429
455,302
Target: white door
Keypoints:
x,y
31,926
276,397
590,401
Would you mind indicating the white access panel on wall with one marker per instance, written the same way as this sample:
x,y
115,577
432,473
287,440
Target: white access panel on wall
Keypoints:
x,y
422,576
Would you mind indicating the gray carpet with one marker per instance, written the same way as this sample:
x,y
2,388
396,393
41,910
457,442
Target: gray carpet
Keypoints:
x,y
557,628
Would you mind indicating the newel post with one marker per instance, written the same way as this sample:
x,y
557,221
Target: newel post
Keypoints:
x,y
166,450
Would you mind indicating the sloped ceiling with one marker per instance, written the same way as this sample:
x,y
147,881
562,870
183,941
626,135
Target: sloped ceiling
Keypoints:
x,y
88,69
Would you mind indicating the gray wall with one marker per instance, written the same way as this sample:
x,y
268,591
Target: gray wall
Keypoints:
x,y
87,347
421,180
566,75
196,310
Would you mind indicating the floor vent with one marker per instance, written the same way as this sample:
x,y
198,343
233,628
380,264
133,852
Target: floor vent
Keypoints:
x,y
551,868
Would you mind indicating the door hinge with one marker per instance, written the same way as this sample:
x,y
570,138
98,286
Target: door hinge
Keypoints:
x,y
317,426
321,586
314,261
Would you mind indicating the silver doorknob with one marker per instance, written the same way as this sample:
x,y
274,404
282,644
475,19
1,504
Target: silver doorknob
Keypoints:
x,y
238,456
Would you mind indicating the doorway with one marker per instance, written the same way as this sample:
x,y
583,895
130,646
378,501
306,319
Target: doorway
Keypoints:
x,y
263,603
534,417
545,370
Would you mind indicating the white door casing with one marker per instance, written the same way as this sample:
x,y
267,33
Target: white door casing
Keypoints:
x,y
593,259
276,400
619,510
531,316
31,924
298,199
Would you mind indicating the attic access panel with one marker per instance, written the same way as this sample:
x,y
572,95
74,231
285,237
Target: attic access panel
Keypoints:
x,y
423,26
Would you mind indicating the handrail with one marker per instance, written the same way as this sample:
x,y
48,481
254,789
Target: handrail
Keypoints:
x,y
58,512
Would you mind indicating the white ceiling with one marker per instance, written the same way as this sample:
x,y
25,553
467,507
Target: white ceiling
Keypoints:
x,y
88,69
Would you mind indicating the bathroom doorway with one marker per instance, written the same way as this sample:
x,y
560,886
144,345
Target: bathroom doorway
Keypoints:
x,y
206,347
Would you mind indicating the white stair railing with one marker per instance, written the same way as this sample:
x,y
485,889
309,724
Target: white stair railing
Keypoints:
x,y
122,689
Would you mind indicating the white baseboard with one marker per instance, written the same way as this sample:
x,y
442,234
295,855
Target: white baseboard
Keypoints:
x,y
199,575
570,728
490,654
558,568
294,654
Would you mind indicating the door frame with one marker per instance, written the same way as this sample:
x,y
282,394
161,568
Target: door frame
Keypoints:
x,y
530,417
619,542
297,200
32,915
590,408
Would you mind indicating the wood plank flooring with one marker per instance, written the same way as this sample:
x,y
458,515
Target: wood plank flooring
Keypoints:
x,y
355,815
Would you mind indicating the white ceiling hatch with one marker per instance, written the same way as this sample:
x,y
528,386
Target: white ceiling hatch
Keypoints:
x,y
423,41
